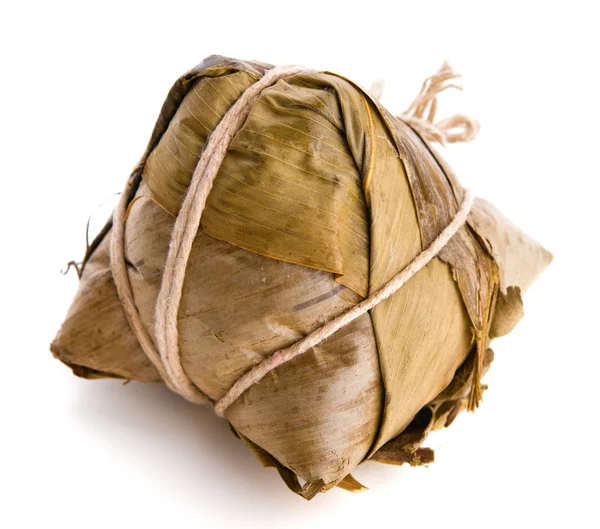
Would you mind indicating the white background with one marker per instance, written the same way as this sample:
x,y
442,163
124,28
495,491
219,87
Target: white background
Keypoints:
x,y
81,87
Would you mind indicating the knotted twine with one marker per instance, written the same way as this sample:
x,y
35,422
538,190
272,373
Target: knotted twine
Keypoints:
x,y
163,351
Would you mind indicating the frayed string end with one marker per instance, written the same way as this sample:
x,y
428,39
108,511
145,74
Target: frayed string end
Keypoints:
x,y
422,112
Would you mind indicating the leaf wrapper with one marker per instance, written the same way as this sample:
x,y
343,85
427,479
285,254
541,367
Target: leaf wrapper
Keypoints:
x,y
323,196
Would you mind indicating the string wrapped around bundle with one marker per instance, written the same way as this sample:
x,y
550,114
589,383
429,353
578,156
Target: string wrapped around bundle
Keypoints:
x,y
291,254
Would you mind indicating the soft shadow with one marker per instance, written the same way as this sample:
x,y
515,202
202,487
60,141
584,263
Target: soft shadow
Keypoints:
x,y
189,447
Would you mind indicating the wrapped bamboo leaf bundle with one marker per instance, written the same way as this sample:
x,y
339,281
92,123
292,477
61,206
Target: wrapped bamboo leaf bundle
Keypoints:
x,y
293,255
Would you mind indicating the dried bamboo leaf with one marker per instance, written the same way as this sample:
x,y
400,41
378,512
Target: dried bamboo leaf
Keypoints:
x,y
95,339
350,484
406,447
509,311
226,326
520,259
289,187
268,461
461,383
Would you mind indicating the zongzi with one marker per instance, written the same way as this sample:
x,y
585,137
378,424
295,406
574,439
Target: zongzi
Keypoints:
x,y
269,205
